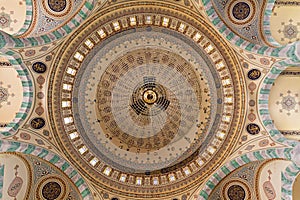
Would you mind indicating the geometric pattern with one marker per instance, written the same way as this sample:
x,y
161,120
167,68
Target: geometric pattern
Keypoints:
x,y
4,94
6,21
25,78
289,31
79,56
242,18
286,27
285,51
49,182
288,51
235,163
291,171
239,184
16,16
263,98
58,161
289,102
7,40
28,18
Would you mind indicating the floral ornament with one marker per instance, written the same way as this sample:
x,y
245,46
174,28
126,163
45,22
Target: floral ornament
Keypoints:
x,y
289,102
4,94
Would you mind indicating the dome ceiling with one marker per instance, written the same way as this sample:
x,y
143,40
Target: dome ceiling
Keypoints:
x,y
148,100
168,100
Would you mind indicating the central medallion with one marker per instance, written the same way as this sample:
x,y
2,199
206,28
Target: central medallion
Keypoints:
x,y
150,97
146,102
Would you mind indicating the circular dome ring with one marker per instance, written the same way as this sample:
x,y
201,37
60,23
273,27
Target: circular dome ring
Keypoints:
x,y
97,32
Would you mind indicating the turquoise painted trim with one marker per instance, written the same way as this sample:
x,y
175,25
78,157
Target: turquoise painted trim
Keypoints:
x,y
288,177
289,153
26,80
263,102
55,159
266,23
30,149
2,41
265,154
287,51
28,18
85,193
74,173
11,41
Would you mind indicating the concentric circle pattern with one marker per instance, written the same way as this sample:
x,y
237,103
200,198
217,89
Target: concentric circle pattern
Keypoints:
x,y
51,190
143,104
57,8
241,12
236,190
129,126
51,187
146,101
132,127
57,5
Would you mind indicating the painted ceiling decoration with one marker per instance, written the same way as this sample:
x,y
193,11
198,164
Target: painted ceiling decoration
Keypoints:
x,y
156,125
16,17
15,63
290,51
138,99
32,171
286,177
264,107
243,18
62,165
288,28
51,21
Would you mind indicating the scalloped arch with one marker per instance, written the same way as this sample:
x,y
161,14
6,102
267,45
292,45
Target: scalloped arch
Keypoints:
x,y
26,81
28,18
263,103
9,41
71,172
287,177
291,51
266,23
17,16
